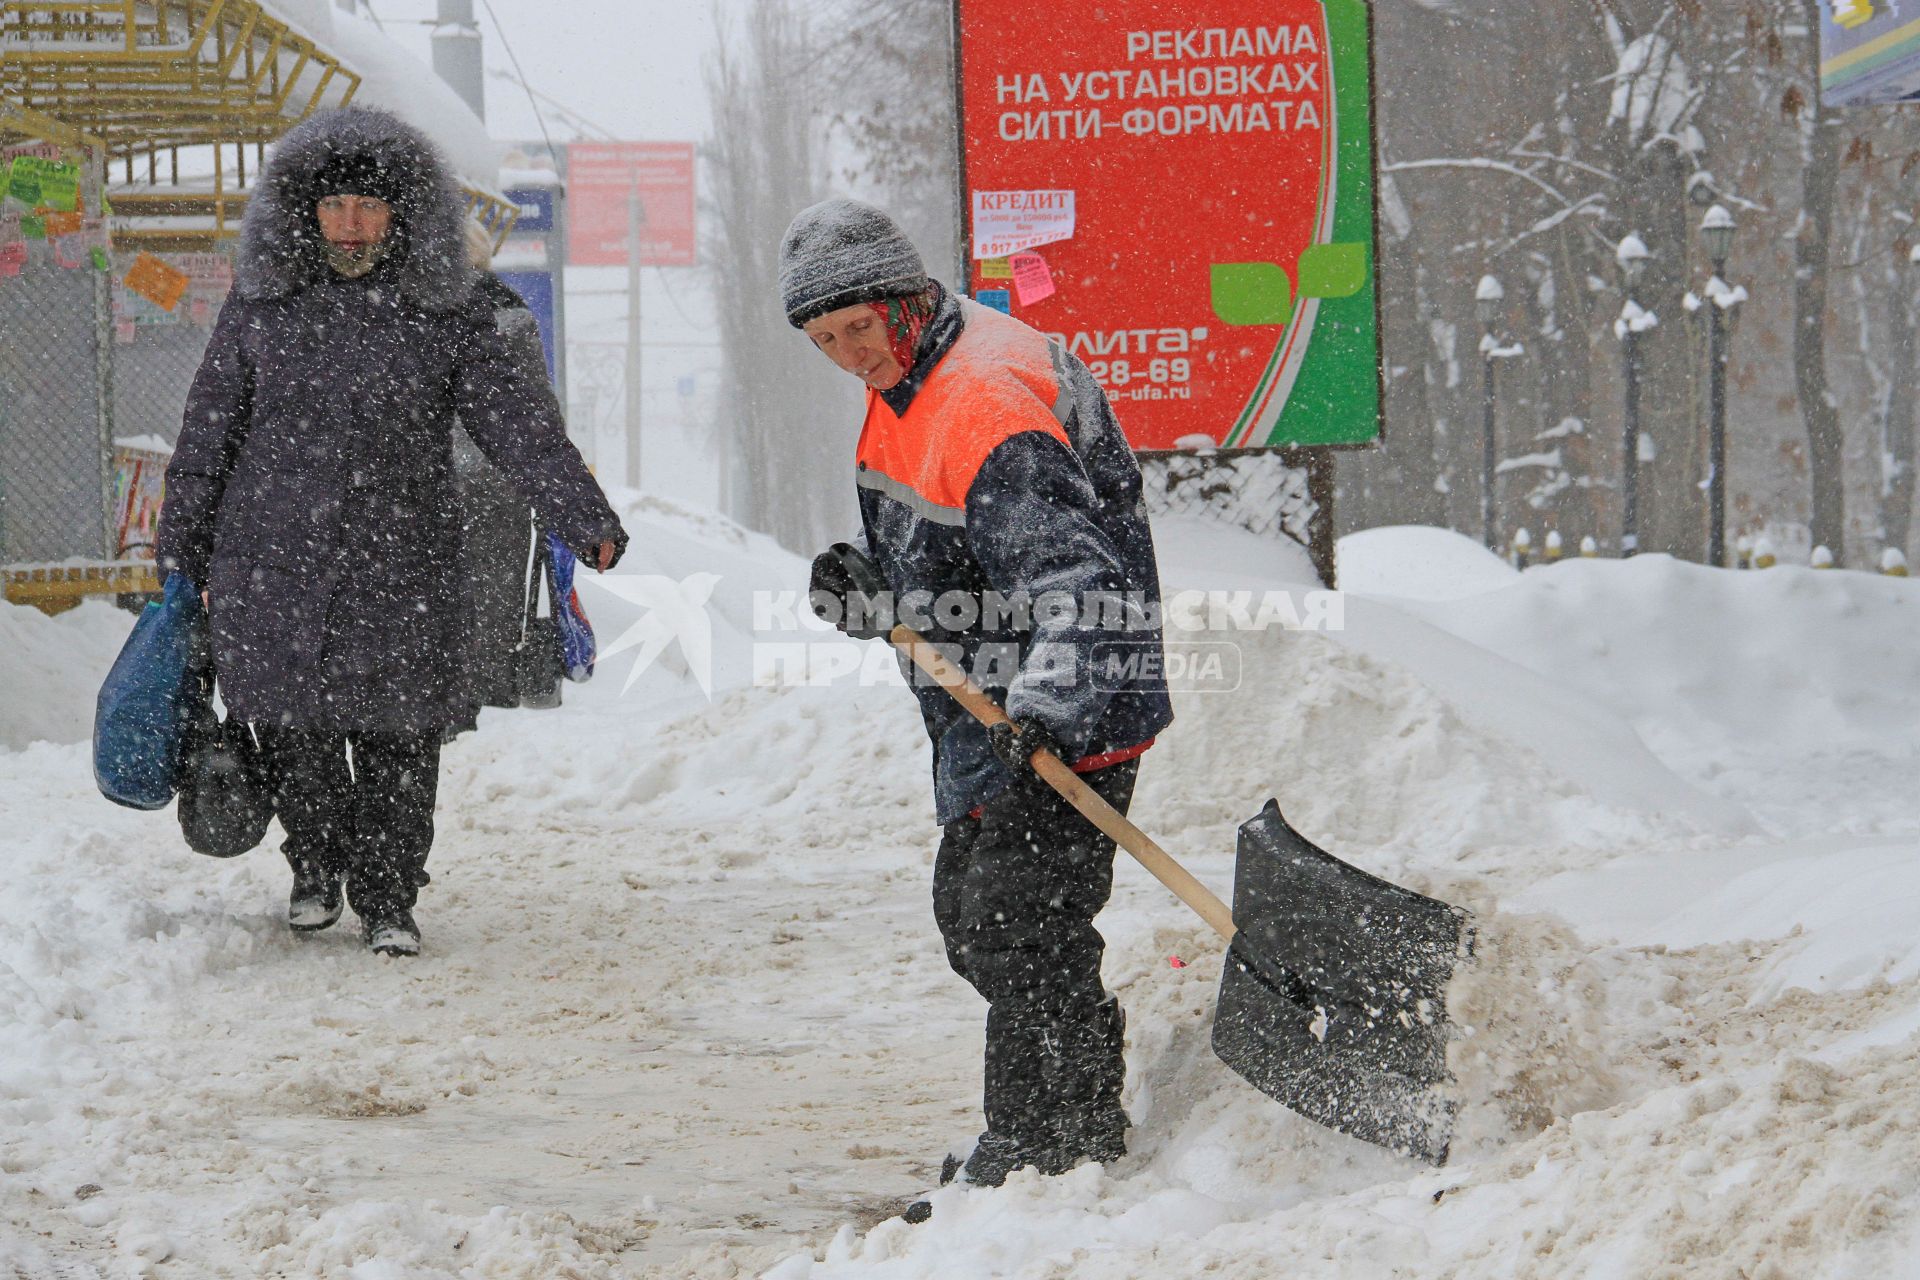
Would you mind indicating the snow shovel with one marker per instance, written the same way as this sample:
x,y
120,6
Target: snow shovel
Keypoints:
x,y
1333,994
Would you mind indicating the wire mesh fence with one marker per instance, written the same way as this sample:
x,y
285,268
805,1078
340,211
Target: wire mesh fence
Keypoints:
x,y
94,375
1284,494
1264,492
54,450
157,351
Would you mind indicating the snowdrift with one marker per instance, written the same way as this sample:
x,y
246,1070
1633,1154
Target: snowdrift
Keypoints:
x,y
1707,658
51,669
1417,562
683,1012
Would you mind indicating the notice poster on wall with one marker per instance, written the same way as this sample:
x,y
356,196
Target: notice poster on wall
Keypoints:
x,y
1203,173
196,283
1006,222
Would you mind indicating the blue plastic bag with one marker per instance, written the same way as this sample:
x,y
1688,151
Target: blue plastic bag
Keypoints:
x,y
150,697
577,646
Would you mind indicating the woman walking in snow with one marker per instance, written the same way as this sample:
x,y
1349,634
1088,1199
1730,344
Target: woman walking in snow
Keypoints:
x,y
311,497
494,520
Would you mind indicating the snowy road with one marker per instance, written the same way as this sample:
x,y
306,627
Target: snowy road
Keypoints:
x,y
619,1022
682,1011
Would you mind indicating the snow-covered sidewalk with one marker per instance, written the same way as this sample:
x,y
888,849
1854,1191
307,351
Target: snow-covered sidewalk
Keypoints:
x,y
682,1011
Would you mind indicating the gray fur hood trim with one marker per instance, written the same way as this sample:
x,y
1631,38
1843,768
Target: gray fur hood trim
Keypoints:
x,y
281,252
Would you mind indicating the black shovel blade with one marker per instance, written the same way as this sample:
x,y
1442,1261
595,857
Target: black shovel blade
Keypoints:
x,y
1333,995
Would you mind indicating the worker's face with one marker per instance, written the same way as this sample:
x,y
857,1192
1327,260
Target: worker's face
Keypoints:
x,y
354,222
855,338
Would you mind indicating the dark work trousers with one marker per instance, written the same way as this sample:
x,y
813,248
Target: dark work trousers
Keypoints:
x,y
1015,891
371,821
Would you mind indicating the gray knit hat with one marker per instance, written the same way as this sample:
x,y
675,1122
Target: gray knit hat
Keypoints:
x,y
840,252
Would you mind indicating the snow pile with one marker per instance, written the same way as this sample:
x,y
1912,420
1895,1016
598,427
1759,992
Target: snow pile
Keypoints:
x,y
1711,657
391,77
683,1011
1416,562
312,18
51,669
1653,89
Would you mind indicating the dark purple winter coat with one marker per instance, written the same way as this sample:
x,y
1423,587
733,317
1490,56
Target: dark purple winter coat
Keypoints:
x,y
311,490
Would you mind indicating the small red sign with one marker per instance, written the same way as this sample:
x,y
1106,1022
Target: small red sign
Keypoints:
x,y
1031,279
603,177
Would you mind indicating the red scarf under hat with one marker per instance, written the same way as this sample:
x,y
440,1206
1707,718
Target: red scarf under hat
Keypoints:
x,y
906,319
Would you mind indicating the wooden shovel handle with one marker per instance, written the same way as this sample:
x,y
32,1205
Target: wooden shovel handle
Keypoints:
x,y
1068,783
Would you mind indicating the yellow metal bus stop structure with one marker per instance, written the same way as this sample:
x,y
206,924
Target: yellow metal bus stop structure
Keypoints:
x,y
123,88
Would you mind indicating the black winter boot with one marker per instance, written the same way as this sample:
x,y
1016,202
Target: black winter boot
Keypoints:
x,y
1014,1097
316,899
391,932
1086,1119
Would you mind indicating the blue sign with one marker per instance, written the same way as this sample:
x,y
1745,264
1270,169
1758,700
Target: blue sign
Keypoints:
x,y
1000,300
536,208
536,290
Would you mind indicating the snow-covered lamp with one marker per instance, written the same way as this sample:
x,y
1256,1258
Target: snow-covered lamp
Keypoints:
x,y
1716,232
1487,299
1633,256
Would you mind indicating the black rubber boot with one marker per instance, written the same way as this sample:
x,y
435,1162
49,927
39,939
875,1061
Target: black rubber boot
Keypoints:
x,y
316,900
1086,1120
1015,1095
391,931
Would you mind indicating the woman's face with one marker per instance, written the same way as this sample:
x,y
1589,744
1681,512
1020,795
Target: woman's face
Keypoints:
x,y
855,338
354,222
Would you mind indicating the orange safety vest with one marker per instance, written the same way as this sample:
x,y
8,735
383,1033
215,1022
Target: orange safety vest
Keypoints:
x,y
999,379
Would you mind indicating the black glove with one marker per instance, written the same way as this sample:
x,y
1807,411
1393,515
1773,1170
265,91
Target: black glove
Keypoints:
x,y
1015,741
847,590
827,589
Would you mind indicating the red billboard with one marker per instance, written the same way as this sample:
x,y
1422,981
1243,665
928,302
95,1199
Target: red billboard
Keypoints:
x,y
602,176
1181,193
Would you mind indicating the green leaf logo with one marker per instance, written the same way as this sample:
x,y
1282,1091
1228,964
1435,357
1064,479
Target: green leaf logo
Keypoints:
x,y
1248,293
1333,270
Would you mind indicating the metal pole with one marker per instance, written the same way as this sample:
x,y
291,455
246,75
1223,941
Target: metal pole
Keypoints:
x,y
95,187
1630,463
1716,433
635,217
556,245
1487,531
457,53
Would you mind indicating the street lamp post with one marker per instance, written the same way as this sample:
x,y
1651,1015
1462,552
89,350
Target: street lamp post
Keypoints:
x,y
1487,300
1632,255
636,220
1716,231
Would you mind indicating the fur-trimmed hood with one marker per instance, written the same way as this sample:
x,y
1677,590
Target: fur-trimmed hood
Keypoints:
x,y
281,251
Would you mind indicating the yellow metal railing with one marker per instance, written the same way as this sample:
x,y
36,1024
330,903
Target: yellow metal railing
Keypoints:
x,y
148,76
57,588
142,79
21,123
